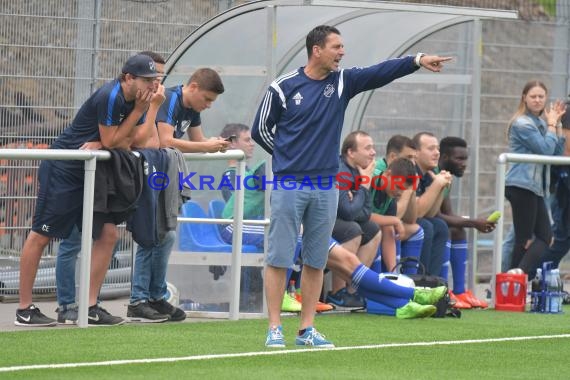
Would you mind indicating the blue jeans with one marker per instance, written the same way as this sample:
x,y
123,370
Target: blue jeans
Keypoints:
x,y
561,234
67,253
65,269
508,245
436,234
149,276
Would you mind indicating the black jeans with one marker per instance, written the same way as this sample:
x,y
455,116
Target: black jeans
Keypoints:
x,y
531,222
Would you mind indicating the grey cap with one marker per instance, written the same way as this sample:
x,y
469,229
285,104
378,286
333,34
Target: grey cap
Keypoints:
x,y
140,65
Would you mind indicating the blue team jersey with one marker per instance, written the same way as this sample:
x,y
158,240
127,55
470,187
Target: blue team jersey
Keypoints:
x,y
300,119
107,107
173,112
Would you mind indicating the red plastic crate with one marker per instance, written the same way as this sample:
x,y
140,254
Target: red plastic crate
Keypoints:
x,y
510,292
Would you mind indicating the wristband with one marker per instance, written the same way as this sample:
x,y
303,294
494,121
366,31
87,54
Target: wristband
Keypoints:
x,y
417,59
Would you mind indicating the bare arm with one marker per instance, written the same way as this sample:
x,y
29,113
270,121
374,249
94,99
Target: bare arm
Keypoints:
x,y
387,220
429,203
146,135
91,145
452,220
407,207
426,201
435,207
200,145
121,136
388,247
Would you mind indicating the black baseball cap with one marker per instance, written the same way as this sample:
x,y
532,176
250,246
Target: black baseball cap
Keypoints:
x,y
140,65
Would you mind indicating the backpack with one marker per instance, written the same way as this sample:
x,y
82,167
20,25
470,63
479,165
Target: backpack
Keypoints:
x,y
444,306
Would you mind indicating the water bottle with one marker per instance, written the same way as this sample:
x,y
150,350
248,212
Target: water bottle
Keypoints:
x,y
556,277
535,289
541,288
552,287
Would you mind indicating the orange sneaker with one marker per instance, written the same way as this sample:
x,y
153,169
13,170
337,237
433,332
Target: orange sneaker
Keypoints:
x,y
469,298
458,303
321,306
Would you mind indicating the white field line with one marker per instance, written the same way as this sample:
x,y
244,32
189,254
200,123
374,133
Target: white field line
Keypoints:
x,y
276,352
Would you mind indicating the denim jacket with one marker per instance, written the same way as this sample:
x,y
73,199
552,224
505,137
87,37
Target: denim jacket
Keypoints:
x,y
528,135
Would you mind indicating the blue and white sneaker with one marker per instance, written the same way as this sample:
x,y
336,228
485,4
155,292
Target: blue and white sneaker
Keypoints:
x,y
275,338
313,338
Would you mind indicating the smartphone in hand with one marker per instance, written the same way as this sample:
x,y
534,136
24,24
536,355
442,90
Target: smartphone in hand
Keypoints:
x,y
231,138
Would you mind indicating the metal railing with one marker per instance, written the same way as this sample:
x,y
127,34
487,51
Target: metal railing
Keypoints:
x,y
237,221
90,158
502,161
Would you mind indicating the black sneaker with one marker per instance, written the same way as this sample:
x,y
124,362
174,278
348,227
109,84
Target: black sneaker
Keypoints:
x,y
343,300
33,317
67,316
143,312
101,317
163,307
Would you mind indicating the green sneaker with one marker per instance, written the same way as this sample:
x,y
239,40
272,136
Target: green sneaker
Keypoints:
x,y
290,304
415,310
429,296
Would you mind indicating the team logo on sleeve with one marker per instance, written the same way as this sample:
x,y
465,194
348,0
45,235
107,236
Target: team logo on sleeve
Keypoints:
x,y
329,90
184,125
297,98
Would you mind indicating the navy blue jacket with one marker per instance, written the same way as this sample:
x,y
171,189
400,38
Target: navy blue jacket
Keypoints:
x,y
300,119
143,222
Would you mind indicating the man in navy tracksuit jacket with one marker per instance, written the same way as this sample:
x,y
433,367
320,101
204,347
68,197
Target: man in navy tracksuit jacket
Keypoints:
x,y
299,122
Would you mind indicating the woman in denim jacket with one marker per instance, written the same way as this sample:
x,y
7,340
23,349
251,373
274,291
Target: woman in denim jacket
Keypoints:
x,y
528,133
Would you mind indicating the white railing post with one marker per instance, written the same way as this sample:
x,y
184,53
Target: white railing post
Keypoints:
x,y
502,161
86,242
499,206
90,158
237,242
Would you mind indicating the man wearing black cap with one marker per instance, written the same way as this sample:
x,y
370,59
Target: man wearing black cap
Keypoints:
x,y
109,118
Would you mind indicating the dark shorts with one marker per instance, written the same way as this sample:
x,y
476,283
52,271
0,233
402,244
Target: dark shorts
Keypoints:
x,y
59,206
344,231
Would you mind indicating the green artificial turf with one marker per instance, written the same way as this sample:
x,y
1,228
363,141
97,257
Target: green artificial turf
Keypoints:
x,y
508,359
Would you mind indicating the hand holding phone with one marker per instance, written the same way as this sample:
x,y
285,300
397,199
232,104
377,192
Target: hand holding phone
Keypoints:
x,y
231,138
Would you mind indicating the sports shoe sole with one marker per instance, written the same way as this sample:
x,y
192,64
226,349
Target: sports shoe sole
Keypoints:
x,y
146,320
67,322
275,345
50,324
178,319
106,325
315,347
323,309
345,308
